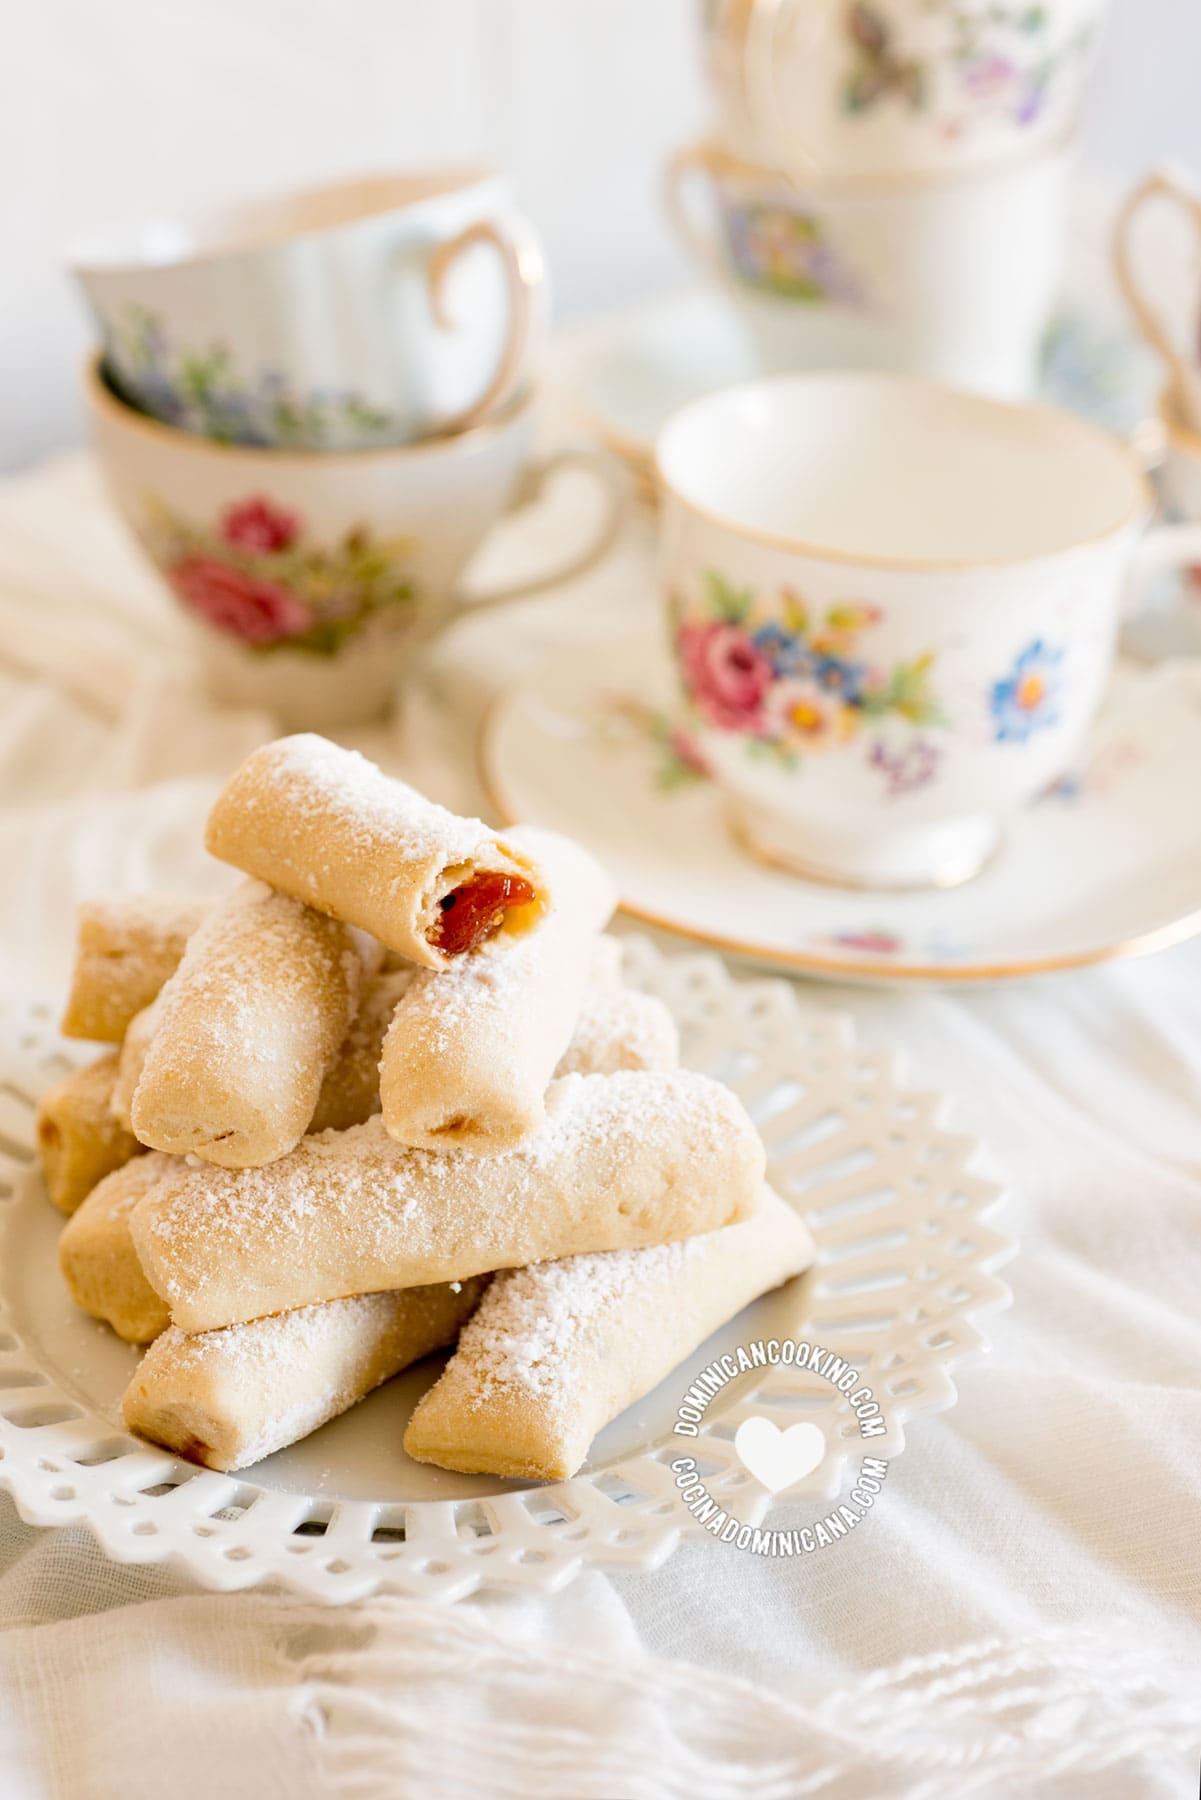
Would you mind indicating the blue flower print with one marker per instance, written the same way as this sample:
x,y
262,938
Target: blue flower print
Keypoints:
x,y
1027,699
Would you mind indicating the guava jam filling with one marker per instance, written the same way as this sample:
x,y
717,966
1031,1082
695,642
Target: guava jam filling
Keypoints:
x,y
475,911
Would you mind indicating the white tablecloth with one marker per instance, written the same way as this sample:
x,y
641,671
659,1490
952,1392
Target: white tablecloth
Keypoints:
x,y
1023,1615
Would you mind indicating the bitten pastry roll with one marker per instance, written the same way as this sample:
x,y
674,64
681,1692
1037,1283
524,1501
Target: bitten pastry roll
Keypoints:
x,y
228,1398
327,826
471,1049
126,949
556,1351
621,1161
79,1141
248,1026
97,1257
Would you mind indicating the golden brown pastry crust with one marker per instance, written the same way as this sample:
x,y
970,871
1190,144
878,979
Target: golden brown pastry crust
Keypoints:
x,y
97,1257
247,1028
79,1140
228,1398
326,826
471,1050
126,949
622,1161
558,1350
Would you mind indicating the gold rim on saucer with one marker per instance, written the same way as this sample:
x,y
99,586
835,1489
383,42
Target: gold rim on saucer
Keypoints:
x,y
1160,937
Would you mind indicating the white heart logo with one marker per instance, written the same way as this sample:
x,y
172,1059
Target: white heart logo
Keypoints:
x,y
779,1458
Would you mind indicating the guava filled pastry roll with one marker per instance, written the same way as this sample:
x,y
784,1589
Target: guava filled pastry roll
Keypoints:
x,y
228,1398
621,1161
329,827
126,949
97,1257
471,1050
79,1140
247,1028
557,1350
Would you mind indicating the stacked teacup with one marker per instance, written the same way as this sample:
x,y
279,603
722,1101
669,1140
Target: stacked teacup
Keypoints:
x,y
887,180
311,411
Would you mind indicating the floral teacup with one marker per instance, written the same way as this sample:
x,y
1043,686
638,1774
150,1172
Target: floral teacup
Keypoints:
x,y
954,279
893,609
310,578
911,89
381,310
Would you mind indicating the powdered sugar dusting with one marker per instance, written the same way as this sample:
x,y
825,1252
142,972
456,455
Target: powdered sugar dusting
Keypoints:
x,y
246,1028
350,1092
312,776
620,1028
530,1320
478,1043
127,949
264,1385
621,1159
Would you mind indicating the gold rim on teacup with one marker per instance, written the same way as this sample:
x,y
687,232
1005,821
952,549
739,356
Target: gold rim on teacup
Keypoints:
x,y
711,155
247,228
1141,503
104,397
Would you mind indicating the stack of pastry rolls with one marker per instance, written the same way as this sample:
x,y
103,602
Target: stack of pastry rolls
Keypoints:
x,y
389,1096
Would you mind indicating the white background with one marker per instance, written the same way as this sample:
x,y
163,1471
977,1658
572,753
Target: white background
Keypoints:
x,y
133,106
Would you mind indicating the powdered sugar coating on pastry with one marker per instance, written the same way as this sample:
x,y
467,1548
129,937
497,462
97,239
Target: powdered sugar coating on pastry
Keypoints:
x,y
558,1349
470,1052
79,1141
97,1257
330,828
126,948
247,1027
621,1160
229,1398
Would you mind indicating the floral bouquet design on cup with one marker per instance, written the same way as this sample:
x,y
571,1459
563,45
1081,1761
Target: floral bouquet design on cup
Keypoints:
x,y
257,577
794,682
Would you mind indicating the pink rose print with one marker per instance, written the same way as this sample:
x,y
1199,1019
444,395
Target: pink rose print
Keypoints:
x,y
726,674
243,605
259,526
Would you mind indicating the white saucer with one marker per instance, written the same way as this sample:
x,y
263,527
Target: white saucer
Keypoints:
x,y
626,375
1106,864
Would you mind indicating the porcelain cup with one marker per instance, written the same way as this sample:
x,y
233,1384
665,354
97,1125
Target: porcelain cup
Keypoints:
x,y
1179,350
893,608
836,91
953,279
378,311
308,579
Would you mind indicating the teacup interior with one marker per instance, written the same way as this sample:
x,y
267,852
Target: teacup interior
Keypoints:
x,y
249,225
899,470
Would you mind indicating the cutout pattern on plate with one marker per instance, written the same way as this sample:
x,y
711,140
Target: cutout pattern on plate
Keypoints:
x,y
906,1273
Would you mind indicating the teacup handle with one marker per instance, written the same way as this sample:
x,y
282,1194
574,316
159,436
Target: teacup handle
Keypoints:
x,y
521,261
529,489
1162,547
1164,183
685,165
